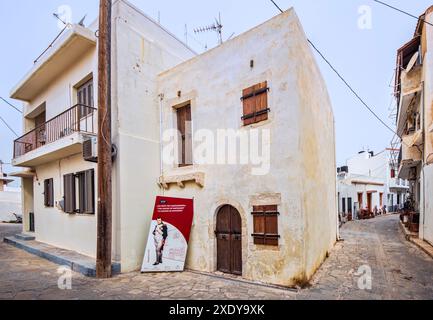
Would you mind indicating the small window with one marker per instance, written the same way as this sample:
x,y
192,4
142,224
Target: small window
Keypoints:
x,y
255,103
184,127
82,185
49,193
266,225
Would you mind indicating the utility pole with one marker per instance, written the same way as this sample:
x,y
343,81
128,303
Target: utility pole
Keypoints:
x,y
104,224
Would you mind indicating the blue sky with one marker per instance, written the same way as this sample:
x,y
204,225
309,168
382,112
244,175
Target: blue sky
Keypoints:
x,y
366,57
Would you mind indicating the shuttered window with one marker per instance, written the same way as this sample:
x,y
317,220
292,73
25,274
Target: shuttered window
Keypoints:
x,y
266,225
84,183
184,126
49,193
69,193
85,98
255,103
86,192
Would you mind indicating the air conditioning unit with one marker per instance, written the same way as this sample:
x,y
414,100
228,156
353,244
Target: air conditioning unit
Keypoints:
x,y
90,149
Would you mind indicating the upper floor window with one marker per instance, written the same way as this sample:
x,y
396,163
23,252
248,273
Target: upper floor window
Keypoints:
x,y
255,103
184,127
85,98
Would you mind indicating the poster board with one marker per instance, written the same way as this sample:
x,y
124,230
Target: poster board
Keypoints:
x,y
169,233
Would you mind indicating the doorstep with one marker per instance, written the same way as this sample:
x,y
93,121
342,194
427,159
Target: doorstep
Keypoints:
x,y
423,245
77,262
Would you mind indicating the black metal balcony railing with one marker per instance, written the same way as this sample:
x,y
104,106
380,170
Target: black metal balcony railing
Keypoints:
x,y
79,118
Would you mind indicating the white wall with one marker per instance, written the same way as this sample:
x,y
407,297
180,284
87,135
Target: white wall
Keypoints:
x,y
142,50
10,203
302,149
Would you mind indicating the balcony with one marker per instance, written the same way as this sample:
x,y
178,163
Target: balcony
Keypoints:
x,y
411,156
396,184
59,137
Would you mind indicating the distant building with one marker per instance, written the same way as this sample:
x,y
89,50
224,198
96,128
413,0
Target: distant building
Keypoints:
x,y
369,181
10,198
414,94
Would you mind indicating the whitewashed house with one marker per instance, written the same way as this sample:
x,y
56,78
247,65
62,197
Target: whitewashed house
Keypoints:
x,y
269,199
370,181
414,94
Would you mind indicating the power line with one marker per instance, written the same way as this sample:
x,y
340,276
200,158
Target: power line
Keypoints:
x,y
351,89
402,11
9,127
10,104
345,82
275,4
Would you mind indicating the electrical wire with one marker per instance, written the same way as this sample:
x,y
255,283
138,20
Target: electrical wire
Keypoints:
x,y
345,81
10,104
8,126
402,11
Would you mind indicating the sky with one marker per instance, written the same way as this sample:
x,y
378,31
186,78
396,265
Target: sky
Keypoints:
x,y
363,50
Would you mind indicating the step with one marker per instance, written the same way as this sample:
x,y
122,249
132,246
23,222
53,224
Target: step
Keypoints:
x,y
25,237
76,261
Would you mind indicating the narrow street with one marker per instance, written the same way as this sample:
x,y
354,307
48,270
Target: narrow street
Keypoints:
x,y
399,271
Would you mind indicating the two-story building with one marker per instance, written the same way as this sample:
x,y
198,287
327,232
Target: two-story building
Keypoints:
x,y
253,146
414,94
370,181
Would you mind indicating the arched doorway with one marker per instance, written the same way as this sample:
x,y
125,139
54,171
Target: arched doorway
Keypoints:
x,y
229,240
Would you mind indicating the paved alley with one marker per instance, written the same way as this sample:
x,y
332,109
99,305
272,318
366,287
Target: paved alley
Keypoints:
x,y
399,270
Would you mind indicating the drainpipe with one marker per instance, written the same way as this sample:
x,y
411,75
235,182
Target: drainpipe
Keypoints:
x,y
161,117
423,154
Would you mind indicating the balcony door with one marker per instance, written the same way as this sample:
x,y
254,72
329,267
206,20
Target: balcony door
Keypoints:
x,y
40,132
85,98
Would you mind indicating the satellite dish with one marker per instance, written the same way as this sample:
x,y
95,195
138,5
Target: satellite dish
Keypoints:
x,y
412,62
81,23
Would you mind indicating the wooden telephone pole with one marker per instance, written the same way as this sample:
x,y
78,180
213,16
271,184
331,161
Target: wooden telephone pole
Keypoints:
x,y
104,224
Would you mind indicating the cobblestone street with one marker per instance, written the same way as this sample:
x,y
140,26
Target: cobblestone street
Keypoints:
x,y
399,271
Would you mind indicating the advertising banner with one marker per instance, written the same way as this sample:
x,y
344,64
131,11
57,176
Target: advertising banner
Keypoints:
x,y
167,244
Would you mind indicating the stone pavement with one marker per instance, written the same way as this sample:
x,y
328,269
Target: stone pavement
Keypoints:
x,y
399,271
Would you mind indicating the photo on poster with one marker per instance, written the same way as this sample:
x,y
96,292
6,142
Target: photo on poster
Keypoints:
x,y
167,243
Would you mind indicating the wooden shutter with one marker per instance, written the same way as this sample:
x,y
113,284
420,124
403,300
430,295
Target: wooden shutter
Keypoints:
x,y
266,225
86,192
89,183
184,127
46,183
69,193
49,193
85,98
255,103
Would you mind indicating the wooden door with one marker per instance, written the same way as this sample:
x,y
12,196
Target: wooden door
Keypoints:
x,y
40,125
369,202
229,240
360,202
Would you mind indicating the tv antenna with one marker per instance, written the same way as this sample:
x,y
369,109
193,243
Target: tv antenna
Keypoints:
x,y
60,19
216,27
